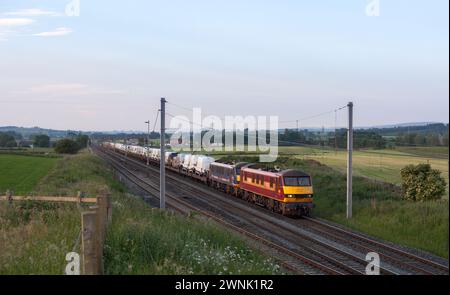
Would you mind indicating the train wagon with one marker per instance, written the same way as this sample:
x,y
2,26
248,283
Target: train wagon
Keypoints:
x,y
203,164
192,163
225,176
177,161
185,164
170,156
289,192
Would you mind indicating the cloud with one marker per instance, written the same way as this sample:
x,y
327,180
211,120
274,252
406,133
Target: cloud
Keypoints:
x,y
11,22
33,12
7,23
62,31
66,90
58,88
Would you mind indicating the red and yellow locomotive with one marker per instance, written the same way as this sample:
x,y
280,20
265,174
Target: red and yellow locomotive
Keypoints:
x,y
288,192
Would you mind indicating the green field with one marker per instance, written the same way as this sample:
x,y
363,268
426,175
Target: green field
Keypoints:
x,y
384,165
21,173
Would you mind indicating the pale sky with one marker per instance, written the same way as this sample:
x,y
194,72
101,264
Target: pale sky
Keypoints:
x,y
106,68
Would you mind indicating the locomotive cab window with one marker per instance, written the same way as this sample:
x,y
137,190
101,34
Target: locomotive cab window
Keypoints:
x,y
297,181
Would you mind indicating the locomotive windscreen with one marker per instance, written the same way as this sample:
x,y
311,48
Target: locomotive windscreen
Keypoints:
x,y
297,181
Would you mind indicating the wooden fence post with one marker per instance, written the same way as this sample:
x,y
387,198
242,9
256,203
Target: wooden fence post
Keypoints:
x,y
102,203
109,208
9,196
89,243
79,196
102,220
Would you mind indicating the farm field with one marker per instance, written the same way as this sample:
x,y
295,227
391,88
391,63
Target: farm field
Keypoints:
x,y
383,165
21,173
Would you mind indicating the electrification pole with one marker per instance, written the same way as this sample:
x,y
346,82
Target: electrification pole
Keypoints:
x,y
335,132
126,147
162,164
148,140
349,159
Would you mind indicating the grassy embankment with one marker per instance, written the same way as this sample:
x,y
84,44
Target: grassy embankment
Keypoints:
x,y
35,237
419,225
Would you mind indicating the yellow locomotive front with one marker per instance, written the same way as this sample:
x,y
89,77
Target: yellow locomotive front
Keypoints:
x,y
297,192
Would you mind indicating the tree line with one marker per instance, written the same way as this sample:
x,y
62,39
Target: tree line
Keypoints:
x,y
11,139
362,138
72,144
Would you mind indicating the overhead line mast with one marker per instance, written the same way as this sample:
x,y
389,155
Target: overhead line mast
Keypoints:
x,y
349,160
162,164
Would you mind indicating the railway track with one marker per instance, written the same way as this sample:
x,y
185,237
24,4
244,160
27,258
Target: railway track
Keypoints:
x,y
335,250
396,256
290,260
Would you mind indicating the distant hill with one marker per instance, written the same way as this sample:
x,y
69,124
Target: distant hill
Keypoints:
x,y
437,128
28,132
384,130
413,124
389,128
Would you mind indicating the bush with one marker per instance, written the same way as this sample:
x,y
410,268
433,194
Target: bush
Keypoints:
x,y
67,146
421,183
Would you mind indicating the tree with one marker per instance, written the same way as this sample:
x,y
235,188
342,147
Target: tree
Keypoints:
x,y
432,139
445,139
420,139
82,140
42,140
421,183
67,146
7,140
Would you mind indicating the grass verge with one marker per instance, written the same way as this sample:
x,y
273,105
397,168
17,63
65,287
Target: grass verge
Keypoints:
x,y
35,237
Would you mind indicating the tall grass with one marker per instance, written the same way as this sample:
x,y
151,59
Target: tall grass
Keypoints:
x,y
145,241
35,237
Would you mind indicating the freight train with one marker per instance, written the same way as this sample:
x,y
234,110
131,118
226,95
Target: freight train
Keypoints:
x,y
288,192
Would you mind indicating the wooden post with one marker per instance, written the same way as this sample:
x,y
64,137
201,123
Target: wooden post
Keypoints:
x,y
109,209
102,220
89,243
97,239
102,203
9,196
79,195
